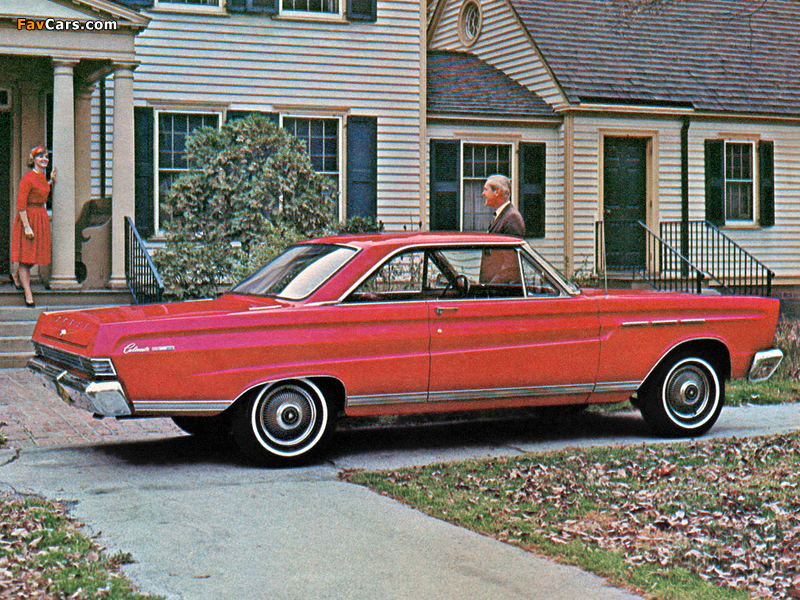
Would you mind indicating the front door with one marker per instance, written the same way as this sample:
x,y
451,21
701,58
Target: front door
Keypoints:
x,y
5,191
624,202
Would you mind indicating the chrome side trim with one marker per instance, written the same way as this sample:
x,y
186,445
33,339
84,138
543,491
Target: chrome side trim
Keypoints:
x,y
180,406
616,386
518,392
368,400
471,395
699,321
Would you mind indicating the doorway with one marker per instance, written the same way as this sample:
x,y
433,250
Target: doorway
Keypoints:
x,y
625,201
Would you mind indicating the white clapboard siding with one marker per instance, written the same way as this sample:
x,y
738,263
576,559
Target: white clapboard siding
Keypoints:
x,y
502,43
305,67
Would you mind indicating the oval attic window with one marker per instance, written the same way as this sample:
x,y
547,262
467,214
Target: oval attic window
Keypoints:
x,y
470,23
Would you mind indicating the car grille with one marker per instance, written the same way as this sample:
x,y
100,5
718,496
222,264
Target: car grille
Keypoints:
x,y
91,368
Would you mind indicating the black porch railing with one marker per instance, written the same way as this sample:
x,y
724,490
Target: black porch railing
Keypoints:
x,y
654,261
720,257
668,269
141,274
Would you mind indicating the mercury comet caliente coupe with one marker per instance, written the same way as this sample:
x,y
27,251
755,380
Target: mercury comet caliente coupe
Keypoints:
x,y
390,324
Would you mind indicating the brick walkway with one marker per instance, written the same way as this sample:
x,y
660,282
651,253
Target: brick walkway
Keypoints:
x,y
31,414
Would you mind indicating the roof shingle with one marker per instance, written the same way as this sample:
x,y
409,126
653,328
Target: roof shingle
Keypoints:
x,y
461,83
716,55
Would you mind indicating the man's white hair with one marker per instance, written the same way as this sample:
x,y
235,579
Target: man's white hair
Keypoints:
x,y
500,182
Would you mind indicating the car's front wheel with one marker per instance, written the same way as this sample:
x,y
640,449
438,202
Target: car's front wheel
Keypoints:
x,y
284,423
683,397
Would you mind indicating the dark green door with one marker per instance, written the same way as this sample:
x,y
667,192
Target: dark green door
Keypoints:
x,y
5,191
624,201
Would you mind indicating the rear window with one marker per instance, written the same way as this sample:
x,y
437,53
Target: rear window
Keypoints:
x,y
297,272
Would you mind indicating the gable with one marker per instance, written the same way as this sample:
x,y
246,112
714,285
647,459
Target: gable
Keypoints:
x,y
80,10
502,43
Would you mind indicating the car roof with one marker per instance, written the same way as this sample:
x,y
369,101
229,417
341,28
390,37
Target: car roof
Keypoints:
x,y
394,240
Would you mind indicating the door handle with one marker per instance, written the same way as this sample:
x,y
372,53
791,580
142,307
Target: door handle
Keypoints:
x,y
441,309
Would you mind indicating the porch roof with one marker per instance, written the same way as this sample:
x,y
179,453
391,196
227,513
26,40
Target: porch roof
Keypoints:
x,y
461,83
734,56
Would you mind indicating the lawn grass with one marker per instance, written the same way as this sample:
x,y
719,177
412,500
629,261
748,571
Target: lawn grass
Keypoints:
x,y
44,554
714,520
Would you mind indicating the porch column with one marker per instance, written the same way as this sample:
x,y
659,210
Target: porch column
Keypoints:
x,y
83,148
63,227
122,186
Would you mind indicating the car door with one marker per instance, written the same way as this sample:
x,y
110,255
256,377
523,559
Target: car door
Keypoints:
x,y
514,341
381,337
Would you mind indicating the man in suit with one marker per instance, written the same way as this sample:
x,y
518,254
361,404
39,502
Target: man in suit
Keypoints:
x,y
497,196
501,266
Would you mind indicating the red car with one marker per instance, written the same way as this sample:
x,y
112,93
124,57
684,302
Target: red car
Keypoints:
x,y
391,324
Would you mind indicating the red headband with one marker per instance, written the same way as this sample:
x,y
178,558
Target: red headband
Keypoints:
x,y
38,150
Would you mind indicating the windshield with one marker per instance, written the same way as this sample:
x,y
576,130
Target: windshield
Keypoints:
x,y
297,272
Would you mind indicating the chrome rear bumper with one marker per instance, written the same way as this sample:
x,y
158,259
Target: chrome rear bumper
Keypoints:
x,y
104,398
764,364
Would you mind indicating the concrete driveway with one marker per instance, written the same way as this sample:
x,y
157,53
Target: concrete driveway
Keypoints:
x,y
203,525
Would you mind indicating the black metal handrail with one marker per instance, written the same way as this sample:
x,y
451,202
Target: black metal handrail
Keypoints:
x,y
141,274
668,269
663,266
720,257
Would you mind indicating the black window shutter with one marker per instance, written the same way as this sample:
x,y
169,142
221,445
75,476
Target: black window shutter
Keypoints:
x,y
532,176
445,177
766,172
266,7
144,169
715,182
362,167
362,10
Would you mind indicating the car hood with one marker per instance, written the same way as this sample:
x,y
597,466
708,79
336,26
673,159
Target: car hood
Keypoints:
x,y
80,328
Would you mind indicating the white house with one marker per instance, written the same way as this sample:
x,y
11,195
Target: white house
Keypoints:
x,y
602,116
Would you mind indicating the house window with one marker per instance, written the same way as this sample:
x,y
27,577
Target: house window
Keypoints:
x,y
739,160
321,137
459,171
187,5
479,162
173,129
469,23
316,6
740,182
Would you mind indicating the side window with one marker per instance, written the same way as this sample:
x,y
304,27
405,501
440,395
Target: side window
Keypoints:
x,y
401,278
489,272
536,283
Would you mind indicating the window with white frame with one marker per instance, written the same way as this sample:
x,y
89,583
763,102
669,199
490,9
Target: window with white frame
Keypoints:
x,y
739,181
321,138
312,6
172,160
479,161
177,4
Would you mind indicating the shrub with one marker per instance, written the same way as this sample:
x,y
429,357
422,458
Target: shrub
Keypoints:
x,y
250,190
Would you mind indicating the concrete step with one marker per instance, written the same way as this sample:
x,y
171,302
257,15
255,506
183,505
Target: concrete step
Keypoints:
x,y
17,320
14,360
16,343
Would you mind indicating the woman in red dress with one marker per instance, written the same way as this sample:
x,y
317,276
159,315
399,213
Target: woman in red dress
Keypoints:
x,y
30,237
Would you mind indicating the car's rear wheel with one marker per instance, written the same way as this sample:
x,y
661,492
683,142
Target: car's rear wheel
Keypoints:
x,y
285,423
683,397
